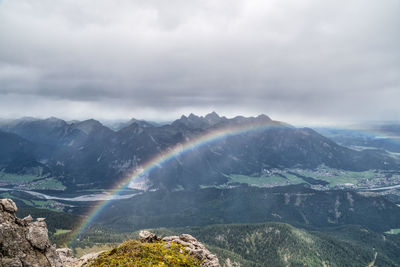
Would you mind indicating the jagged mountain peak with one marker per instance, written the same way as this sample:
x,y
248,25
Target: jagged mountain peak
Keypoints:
x,y
260,119
212,115
133,128
142,123
193,116
263,117
121,124
88,126
213,118
192,121
54,122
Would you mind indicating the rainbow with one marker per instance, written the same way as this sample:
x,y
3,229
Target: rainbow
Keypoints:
x,y
180,149
165,157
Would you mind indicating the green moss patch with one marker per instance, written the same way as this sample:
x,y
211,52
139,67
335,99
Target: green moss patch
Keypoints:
x,y
135,253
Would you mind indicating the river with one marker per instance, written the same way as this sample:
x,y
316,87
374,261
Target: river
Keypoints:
x,y
383,188
90,197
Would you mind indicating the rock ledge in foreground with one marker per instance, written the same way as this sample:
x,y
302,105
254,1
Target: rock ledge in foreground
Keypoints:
x,y
25,242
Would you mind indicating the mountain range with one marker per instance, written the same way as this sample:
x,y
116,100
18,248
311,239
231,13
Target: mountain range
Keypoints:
x,y
88,154
209,190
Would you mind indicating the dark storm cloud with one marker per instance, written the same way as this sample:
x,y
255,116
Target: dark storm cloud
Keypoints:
x,y
155,59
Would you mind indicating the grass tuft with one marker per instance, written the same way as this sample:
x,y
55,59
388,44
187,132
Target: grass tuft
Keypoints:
x,y
135,253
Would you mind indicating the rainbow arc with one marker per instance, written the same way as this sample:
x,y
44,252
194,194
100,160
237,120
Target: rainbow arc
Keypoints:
x,y
165,157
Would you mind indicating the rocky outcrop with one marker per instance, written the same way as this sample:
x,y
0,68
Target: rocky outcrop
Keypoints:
x,y
68,259
146,236
24,242
195,248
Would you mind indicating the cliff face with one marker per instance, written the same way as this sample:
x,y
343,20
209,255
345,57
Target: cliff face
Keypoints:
x,y
24,242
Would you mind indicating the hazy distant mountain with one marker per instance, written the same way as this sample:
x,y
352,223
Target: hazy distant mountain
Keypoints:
x,y
385,136
118,125
89,154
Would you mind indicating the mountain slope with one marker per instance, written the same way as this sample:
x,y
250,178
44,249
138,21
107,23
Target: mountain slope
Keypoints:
x,y
280,244
20,156
89,155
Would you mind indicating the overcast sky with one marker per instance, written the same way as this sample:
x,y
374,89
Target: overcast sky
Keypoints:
x,y
300,61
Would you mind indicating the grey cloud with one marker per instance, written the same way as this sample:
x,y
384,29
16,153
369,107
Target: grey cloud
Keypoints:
x,y
330,59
